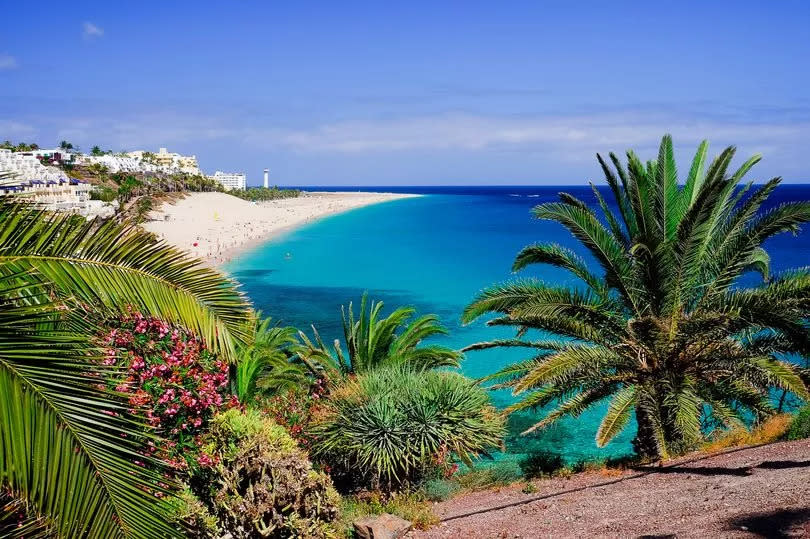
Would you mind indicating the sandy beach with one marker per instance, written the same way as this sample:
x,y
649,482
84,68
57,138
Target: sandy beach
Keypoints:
x,y
216,226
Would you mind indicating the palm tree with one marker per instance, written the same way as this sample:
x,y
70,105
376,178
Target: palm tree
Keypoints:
x,y
264,363
665,330
67,447
372,341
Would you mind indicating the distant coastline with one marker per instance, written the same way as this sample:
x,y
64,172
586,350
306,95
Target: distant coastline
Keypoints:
x,y
218,227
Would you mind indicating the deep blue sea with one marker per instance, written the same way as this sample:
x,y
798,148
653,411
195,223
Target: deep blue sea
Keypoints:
x,y
436,253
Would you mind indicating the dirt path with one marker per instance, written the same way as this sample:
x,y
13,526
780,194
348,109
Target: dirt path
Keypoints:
x,y
755,492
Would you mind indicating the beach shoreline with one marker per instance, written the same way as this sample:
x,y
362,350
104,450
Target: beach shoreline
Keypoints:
x,y
218,227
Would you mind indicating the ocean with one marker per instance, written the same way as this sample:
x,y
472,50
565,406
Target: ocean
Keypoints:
x,y
436,253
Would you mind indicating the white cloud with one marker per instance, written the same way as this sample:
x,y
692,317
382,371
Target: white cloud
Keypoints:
x,y
581,135
7,62
466,144
91,31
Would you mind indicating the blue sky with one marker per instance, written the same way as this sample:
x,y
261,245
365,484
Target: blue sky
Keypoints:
x,y
420,93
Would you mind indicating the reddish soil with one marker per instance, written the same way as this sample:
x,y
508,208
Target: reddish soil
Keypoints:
x,y
751,492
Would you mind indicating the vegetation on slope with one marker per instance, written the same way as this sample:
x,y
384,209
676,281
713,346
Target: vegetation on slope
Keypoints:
x,y
165,407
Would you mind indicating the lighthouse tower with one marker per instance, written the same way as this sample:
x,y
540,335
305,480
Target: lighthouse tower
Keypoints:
x,y
266,178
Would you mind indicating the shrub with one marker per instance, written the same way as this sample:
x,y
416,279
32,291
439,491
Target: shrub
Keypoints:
x,y
439,490
257,482
410,506
392,427
103,193
294,410
505,472
190,513
770,430
800,425
170,375
498,474
542,464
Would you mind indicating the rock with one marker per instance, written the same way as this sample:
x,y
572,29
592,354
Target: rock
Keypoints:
x,y
383,526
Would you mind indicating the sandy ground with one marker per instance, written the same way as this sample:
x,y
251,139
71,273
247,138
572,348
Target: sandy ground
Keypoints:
x,y
755,492
217,226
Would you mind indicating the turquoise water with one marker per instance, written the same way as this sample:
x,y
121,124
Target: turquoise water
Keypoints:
x,y
435,253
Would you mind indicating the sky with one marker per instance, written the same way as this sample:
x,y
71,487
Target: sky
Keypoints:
x,y
411,93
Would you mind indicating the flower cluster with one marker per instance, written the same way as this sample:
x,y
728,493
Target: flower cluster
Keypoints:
x,y
295,409
171,378
443,462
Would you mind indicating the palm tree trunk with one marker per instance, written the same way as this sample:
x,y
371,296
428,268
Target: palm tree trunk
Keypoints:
x,y
645,443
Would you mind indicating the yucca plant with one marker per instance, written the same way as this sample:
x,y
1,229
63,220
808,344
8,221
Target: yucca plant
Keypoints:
x,y
390,426
662,326
68,447
373,340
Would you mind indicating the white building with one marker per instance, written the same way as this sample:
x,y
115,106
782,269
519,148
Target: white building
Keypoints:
x,y
231,180
27,167
47,186
118,163
57,155
169,161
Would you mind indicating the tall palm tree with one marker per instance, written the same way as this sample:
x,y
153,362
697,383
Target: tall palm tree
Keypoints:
x,y
68,448
373,340
662,326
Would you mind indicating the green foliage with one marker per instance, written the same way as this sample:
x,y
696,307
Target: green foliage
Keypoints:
x,y
264,364
57,274
259,194
188,512
482,477
373,340
410,506
103,193
439,490
660,328
542,464
392,426
98,170
113,266
800,425
20,147
142,208
52,410
257,482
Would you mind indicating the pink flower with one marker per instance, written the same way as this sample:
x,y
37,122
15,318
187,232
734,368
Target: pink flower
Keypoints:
x,y
205,460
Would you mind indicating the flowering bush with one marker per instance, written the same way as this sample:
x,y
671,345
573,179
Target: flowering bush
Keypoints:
x,y
294,410
172,378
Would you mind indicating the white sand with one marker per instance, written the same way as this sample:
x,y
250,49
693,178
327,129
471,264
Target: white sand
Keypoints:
x,y
217,226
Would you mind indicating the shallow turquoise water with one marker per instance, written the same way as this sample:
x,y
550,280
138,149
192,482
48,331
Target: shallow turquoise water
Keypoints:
x,y
435,253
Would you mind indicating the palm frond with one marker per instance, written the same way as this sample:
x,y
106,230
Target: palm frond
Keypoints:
x,y
113,266
59,431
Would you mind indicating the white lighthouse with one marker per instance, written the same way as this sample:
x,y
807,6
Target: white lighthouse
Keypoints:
x,y
266,178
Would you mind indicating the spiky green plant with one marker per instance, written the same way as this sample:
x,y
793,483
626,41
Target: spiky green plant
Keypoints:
x,y
68,447
662,326
373,340
387,427
265,363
